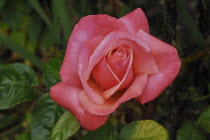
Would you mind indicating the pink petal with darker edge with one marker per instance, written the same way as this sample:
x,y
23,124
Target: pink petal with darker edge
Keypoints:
x,y
93,91
67,96
143,62
168,63
135,20
113,102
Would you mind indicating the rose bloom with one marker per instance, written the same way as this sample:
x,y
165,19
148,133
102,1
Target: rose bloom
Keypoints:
x,y
109,61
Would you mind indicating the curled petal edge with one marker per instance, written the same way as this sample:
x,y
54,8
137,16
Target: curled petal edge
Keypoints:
x,y
67,96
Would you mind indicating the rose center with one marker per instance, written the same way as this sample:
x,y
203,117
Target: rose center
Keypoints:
x,y
117,54
111,70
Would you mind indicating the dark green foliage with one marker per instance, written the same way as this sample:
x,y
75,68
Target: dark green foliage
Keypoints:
x,y
106,132
45,114
189,131
17,83
51,72
204,119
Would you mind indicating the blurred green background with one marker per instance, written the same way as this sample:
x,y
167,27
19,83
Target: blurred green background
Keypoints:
x,y
35,31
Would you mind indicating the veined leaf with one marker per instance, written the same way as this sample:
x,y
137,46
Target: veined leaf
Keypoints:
x,y
144,130
51,72
16,84
45,114
66,126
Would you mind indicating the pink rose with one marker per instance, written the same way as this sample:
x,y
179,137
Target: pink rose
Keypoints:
x,y
109,61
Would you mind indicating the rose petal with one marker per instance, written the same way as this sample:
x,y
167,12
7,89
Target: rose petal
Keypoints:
x,y
143,62
115,71
167,62
113,102
98,73
113,39
128,77
67,96
119,67
87,28
135,20
124,83
94,92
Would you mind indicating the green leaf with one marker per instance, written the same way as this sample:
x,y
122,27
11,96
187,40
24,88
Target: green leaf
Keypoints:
x,y
144,130
106,132
204,119
187,21
64,18
56,18
17,48
34,30
45,114
2,2
23,136
189,131
16,84
66,126
51,72
35,4
11,13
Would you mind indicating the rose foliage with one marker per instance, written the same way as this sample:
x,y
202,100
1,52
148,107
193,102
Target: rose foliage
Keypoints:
x,y
109,61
